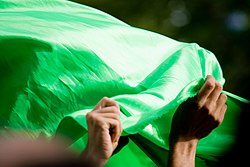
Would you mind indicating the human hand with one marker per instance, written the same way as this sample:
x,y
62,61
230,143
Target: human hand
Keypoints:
x,y
104,130
195,119
198,117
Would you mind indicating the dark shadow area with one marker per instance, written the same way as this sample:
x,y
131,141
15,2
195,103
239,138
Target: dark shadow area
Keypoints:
x,y
17,62
238,155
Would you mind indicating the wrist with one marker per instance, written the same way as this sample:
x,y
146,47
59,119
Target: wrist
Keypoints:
x,y
92,157
185,147
182,153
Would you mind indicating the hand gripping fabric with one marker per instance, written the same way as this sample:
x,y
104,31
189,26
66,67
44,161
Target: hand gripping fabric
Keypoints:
x,y
59,58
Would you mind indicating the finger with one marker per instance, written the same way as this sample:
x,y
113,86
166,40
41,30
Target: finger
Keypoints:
x,y
221,108
111,109
120,125
206,89
99,118
114,129
114,114
109,116
214,95
98,105
221,101
105,102
223,111
115,144
221,114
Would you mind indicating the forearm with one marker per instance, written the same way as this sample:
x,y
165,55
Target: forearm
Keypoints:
x,y
90,157
182,154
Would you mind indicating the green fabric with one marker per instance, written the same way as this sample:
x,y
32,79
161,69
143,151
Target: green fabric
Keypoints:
x,y
59,58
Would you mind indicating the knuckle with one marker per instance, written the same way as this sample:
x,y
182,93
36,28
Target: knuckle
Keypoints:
x,y
117,124
115,104
94,117
210,82
114,109
218,86
223,97
109,101
89,116
117,117
105,99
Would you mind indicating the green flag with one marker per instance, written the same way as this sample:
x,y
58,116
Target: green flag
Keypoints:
x,y
59,58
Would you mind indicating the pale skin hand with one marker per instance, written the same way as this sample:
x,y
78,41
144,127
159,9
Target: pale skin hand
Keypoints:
x,y
104,131
194,120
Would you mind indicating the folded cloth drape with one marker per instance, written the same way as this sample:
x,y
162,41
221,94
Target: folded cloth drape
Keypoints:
x,y
59,58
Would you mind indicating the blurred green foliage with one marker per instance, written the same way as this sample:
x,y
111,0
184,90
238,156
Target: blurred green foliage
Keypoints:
x,y
222,27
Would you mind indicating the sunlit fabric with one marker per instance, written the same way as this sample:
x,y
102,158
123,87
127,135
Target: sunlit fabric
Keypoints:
x,y
59,58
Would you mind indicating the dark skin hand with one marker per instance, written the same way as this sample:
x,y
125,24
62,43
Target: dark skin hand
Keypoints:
x,y
195,119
